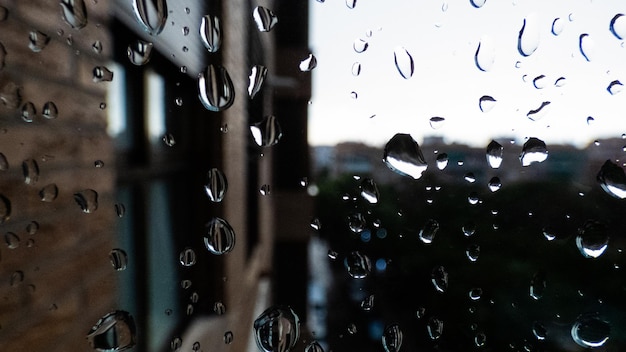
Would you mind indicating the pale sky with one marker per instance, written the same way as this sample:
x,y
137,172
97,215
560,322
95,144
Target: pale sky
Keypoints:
x,y
442,38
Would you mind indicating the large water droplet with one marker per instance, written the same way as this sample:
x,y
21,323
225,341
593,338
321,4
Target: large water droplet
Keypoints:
x,y
264,18
528,38
151,14
30,170
590,330
49,193
118,258
139,52
37,40
485,53
494,154
360,45
592,239
392,338
113,332
478,3
358,265
5,209
428,232
220,236
618,26
308,64
403,155
369,190
615,87
211,33
257,77
267,132
486,103
404,62
539,112
277,329
314,346
434,327
533,151
442,161
612,179
215,88
586,46
87,200
50,110
74,13
538,285
102,74
216,185
439,278
557,26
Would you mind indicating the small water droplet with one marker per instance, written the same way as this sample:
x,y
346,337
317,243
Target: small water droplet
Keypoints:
x,y
215,88
540,82
494,154
12,240
356,68
618,26
475,293
267,132
615,87
4,162
30,170
590,330
612,179
187,257
264,18
169,139
539,112
428,231
219,308
472,252
369,190
50,110
470,177
102,74
32,227
439,279
442,161
119,259
216,185
485,55
97,47
360,45
539,331
528,38
486,103
113,332
436,122
538,285
358,265
586,46
314,346
265,189
151,14
403,155
434,327
533,151
308,64
139,52
560,82
49,193
392,338
176,344
220,236
74,13
356,222
469,228
557,26
87,200
351,4
277,329
478,3
316,224
228,337
257,77
29,112
592,239
404,62
3,55
494,184
37,40
367,303
211,33
17,277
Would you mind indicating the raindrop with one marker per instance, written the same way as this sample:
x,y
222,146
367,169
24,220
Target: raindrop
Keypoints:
x,y
472,252
10,95
113,332
586,45
29,112
485,53
434,327
4,163
351,4
119,259
316,224
74,13
470,177
615,87
49,193
308,64
404,62
539,82
428,232
215,88
50,110
533,151
557,26
12,240
265,189
277,329
139,52
494,154
3,55
528,38
17,277
369,190
313,346
257,77
612,179
220,236
403,155
37,40
211,33
356,69
267,132
538,285
486,103
392,338
442,161
5,209
358,265
367,303
196,346
264,18
560,82
102,74
439,279
120,210
478,3
539,112
539,330
356,222
30,170
618,26
475,293
228,337
592,239
589,330
32,227
87,200
494,184
436,122
219,308
360,45
473,198
151,14
97,47
469,228
187,257
216,185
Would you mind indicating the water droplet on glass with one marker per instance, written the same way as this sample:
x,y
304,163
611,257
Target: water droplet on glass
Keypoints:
x,y
17,277
615,87
316,224
494,154
356,68
139,52
473,198
612,179
37,40
220,236
403,155
367,303
590,330
30,170
228,337
428,231
369,190
586,45
50,110
475,293
470,177
151,14
392,338
538,285
264,18
360,45
494,184
442,161
257,77
74,13
478,3
3,55
87,200
219,308
356,222
404,62
97,47
472,252
32,227
4,13
169,139
211,33
469,228
12,240
215,88
277,329
308,64
486,103
351,4
592,239
618,26
539,112
313,346
119,259
102,74
485,55
29,112
265,189
557,26
49,193
5,209
533,151
528,38
187,257
358,265
267,132
437,122
540,82
560,82
439,279
216,185
434,327
4,163
113,332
